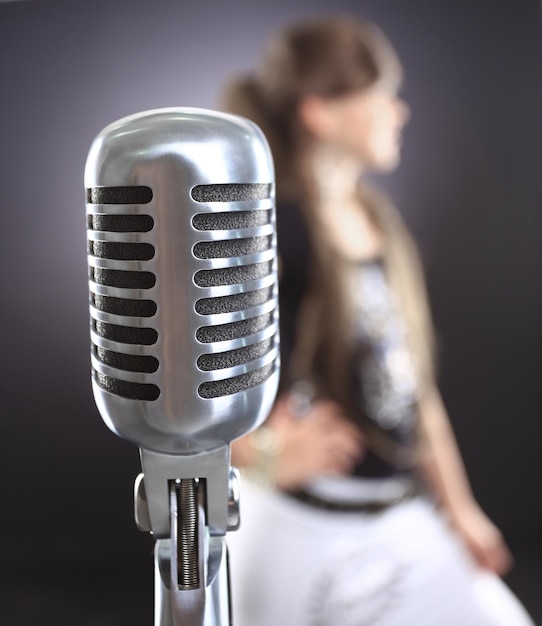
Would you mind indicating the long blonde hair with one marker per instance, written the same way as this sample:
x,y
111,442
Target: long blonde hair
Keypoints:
x,y
329,57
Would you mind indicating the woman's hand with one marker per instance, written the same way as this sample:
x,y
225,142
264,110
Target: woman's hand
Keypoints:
x,y
444,472
483,539
322,442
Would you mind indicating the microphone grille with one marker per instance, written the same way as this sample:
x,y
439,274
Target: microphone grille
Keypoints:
x,y
111,255
250,272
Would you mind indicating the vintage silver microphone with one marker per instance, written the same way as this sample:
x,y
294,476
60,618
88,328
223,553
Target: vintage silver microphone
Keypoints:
x,y
184,328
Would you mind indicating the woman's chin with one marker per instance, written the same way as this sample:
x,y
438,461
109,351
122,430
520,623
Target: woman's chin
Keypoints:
x,y
385,164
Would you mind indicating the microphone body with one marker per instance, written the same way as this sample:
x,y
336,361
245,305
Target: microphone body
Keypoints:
x,y
182,278
184,327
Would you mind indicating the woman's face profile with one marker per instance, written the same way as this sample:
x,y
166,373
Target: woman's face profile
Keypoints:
x,y
368,125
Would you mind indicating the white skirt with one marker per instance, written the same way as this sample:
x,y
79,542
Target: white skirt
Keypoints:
x,y
296,565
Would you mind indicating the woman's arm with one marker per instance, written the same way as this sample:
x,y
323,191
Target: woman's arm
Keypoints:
x,y
443,470
292,451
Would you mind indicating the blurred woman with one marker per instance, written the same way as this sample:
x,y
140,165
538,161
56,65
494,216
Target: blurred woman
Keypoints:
x,y
356,508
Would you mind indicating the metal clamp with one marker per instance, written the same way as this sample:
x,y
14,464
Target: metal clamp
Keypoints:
x,y
191,567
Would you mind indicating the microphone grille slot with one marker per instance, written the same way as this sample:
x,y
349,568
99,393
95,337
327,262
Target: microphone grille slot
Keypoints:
x,y
231,247
127,362
231,220
123,279
126,334
236,302
119,251
232,275
124,306
121,223
219,388
234,330
231,358
231,192
119,195
132,391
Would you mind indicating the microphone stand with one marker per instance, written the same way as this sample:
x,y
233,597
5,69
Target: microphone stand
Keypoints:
x,y
189,503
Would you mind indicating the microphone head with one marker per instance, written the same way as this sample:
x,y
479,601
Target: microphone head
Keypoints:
x,y
183,278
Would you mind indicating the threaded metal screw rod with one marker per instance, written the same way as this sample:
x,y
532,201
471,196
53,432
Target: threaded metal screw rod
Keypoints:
x,y
187,533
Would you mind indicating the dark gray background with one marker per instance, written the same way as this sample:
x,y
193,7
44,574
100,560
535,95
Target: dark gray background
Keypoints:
x,y
469,187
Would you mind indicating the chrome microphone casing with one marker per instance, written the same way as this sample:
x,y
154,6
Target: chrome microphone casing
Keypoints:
x,y
161,170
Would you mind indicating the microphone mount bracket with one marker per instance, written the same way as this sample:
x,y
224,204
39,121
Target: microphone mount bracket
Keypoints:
x,y
189,503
